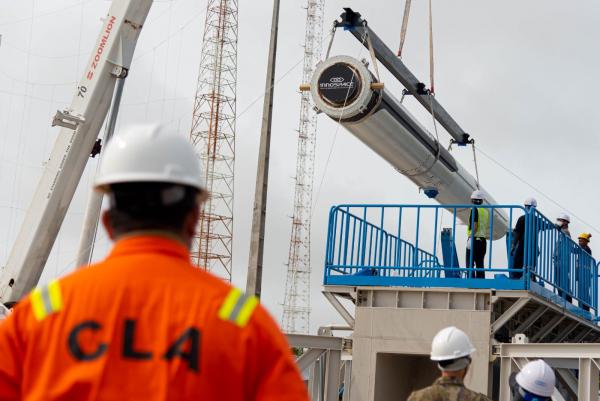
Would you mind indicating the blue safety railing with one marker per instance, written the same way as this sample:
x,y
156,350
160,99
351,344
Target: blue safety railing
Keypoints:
x,y
397,245
555,260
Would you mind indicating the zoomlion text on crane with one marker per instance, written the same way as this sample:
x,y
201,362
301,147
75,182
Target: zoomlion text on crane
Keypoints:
x,y
100,48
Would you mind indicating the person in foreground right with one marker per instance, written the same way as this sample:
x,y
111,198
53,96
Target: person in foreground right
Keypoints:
x,y
535,382
451,349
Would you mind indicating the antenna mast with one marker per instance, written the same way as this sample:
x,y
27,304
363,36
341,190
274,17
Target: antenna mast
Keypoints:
x,y
213,135
296,306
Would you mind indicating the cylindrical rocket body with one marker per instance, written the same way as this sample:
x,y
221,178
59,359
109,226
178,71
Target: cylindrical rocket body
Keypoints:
x,y
341,88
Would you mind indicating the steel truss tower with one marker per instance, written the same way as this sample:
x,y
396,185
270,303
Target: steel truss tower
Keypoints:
x,y
296,306
213,135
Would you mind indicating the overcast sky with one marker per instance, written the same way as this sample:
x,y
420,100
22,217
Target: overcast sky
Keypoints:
x,y
519,76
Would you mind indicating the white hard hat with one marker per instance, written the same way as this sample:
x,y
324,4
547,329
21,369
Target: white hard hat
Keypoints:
x,y
537,377
530,202
149,153
564,216
450,343
478,194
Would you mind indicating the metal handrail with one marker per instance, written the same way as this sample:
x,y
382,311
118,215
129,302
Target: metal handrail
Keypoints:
x,y
371,240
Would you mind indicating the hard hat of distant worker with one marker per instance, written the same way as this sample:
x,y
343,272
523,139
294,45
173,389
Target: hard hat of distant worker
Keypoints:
x,y
530,202
564,216
477,195
585,236
536,380
451,348
149,153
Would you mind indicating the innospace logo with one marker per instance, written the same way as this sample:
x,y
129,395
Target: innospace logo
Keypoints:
x,y
336,83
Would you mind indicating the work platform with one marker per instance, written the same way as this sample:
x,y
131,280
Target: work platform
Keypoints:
x,y
396,282
399,245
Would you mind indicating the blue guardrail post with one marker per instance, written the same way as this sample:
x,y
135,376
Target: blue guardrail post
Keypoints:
x,y
449,254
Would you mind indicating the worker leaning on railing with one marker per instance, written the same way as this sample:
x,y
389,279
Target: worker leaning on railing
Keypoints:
x,y
478,232
561,256
517,249
144,323
584,267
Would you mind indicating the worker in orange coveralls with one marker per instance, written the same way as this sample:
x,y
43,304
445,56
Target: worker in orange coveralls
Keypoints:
x,y
145,324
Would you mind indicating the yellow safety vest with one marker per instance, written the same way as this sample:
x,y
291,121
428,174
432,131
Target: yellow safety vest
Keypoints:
x,y
483,224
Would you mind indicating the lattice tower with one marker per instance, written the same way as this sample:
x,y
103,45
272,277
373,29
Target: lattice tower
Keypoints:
x,y
213,135
296,306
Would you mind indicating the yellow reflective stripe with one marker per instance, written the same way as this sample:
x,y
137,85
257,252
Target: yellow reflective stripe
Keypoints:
x,y
46,300
246,311
484,223
55,296
229,304
37,304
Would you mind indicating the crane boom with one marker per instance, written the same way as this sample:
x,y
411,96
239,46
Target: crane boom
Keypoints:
x,y
81,124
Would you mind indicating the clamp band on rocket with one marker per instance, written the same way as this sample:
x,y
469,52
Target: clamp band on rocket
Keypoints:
x,y
344,89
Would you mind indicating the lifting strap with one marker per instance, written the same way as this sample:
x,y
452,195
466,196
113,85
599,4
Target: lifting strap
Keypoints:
x,y
332,35
403,39
431,82
404,26
371,50
475,162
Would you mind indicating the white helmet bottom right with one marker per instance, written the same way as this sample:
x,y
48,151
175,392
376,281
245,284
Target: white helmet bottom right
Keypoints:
x,y
537,377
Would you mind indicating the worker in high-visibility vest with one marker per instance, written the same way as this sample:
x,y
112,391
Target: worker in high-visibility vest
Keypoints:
x,y
478,231
146,324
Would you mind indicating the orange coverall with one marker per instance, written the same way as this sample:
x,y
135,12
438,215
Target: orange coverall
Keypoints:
x,y
144,324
